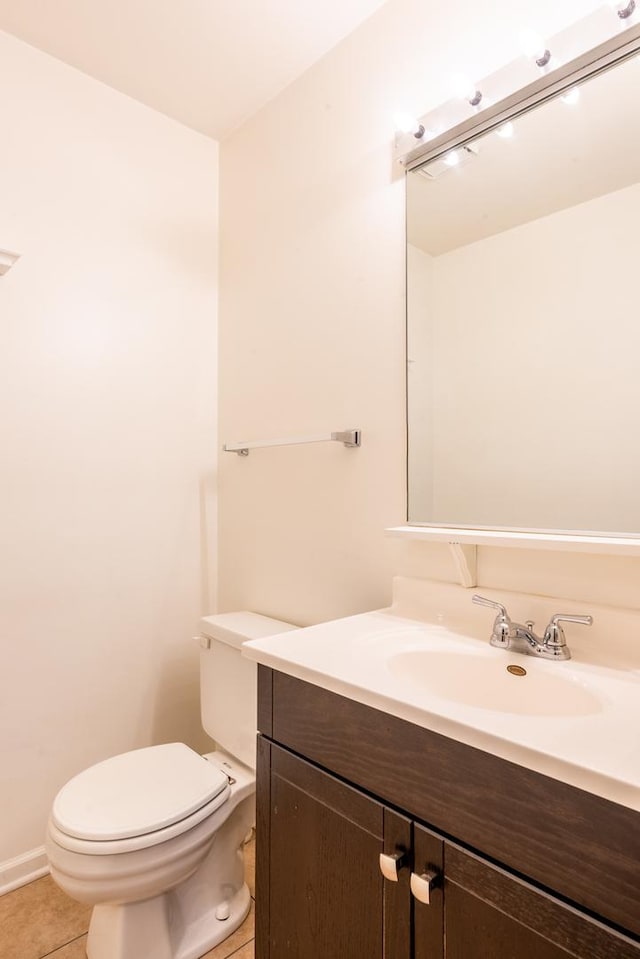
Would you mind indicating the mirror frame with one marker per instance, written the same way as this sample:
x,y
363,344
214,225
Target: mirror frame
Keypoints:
x,y
595,61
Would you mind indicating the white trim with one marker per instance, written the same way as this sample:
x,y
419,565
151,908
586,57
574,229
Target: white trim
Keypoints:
x,y
23,869
566,542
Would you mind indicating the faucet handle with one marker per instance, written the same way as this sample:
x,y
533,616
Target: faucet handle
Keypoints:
x,y
502,628
483,601
554,634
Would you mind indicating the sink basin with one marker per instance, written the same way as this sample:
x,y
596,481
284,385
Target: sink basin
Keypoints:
x,y
499,683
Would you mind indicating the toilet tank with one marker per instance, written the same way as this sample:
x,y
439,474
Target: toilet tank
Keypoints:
x,y
228,681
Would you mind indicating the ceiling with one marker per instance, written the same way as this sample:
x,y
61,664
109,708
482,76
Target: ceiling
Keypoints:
x,y
208,63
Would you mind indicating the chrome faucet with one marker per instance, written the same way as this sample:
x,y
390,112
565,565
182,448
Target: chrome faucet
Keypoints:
x,y
522,638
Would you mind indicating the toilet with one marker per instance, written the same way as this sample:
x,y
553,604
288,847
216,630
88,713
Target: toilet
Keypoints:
x,y
153,838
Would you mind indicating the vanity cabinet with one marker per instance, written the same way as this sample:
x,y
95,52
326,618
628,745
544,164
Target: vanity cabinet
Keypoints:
x,y
339,784
325,888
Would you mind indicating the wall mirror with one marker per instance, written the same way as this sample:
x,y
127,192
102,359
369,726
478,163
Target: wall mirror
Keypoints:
x,y
523,327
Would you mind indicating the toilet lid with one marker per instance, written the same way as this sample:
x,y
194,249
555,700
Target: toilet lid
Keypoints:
x,y
136,793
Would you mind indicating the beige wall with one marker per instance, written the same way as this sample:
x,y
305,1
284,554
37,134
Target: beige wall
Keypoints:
x,y
312,324
107,425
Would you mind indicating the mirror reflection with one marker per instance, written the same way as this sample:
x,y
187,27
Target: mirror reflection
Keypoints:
x,y
523,329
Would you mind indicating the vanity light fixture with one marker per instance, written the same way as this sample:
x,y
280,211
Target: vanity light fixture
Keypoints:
x,y
411,147
623,9
534,46
409,124
7,259
465,89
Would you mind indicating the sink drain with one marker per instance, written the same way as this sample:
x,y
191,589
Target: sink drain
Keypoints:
x,y
516,670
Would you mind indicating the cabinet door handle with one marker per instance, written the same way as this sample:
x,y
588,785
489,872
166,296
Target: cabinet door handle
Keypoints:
x,y
390,866
421,885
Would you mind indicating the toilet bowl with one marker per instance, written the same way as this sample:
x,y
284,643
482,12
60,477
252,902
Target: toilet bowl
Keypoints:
x,y
153,838
173,891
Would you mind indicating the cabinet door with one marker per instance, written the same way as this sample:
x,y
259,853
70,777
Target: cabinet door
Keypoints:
x,y
428,894
320,893
490,914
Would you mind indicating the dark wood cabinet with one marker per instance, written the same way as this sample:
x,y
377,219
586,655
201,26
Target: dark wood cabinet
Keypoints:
x,y
492,914
320,890
325,898
320,842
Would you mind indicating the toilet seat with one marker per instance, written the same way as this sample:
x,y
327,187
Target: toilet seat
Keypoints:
x,y
137,799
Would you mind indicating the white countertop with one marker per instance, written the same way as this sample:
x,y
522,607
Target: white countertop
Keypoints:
x,y
577,721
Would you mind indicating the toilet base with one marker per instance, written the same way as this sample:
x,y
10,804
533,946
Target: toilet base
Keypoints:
x,y
136,929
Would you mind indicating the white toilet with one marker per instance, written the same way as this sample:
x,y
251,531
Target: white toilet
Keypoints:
x,y
152,838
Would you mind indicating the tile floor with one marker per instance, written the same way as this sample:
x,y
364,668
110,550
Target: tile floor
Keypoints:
x,y
39,920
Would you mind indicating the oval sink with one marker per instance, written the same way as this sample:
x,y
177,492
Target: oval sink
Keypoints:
x,y
486,683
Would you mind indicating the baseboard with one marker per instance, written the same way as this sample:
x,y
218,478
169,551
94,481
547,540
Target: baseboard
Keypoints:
x,y
23,869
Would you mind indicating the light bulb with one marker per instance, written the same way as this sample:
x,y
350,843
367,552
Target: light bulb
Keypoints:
x,y
408,124
465,89
623,8
532,43
506,130
571,96
452,158
534,46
